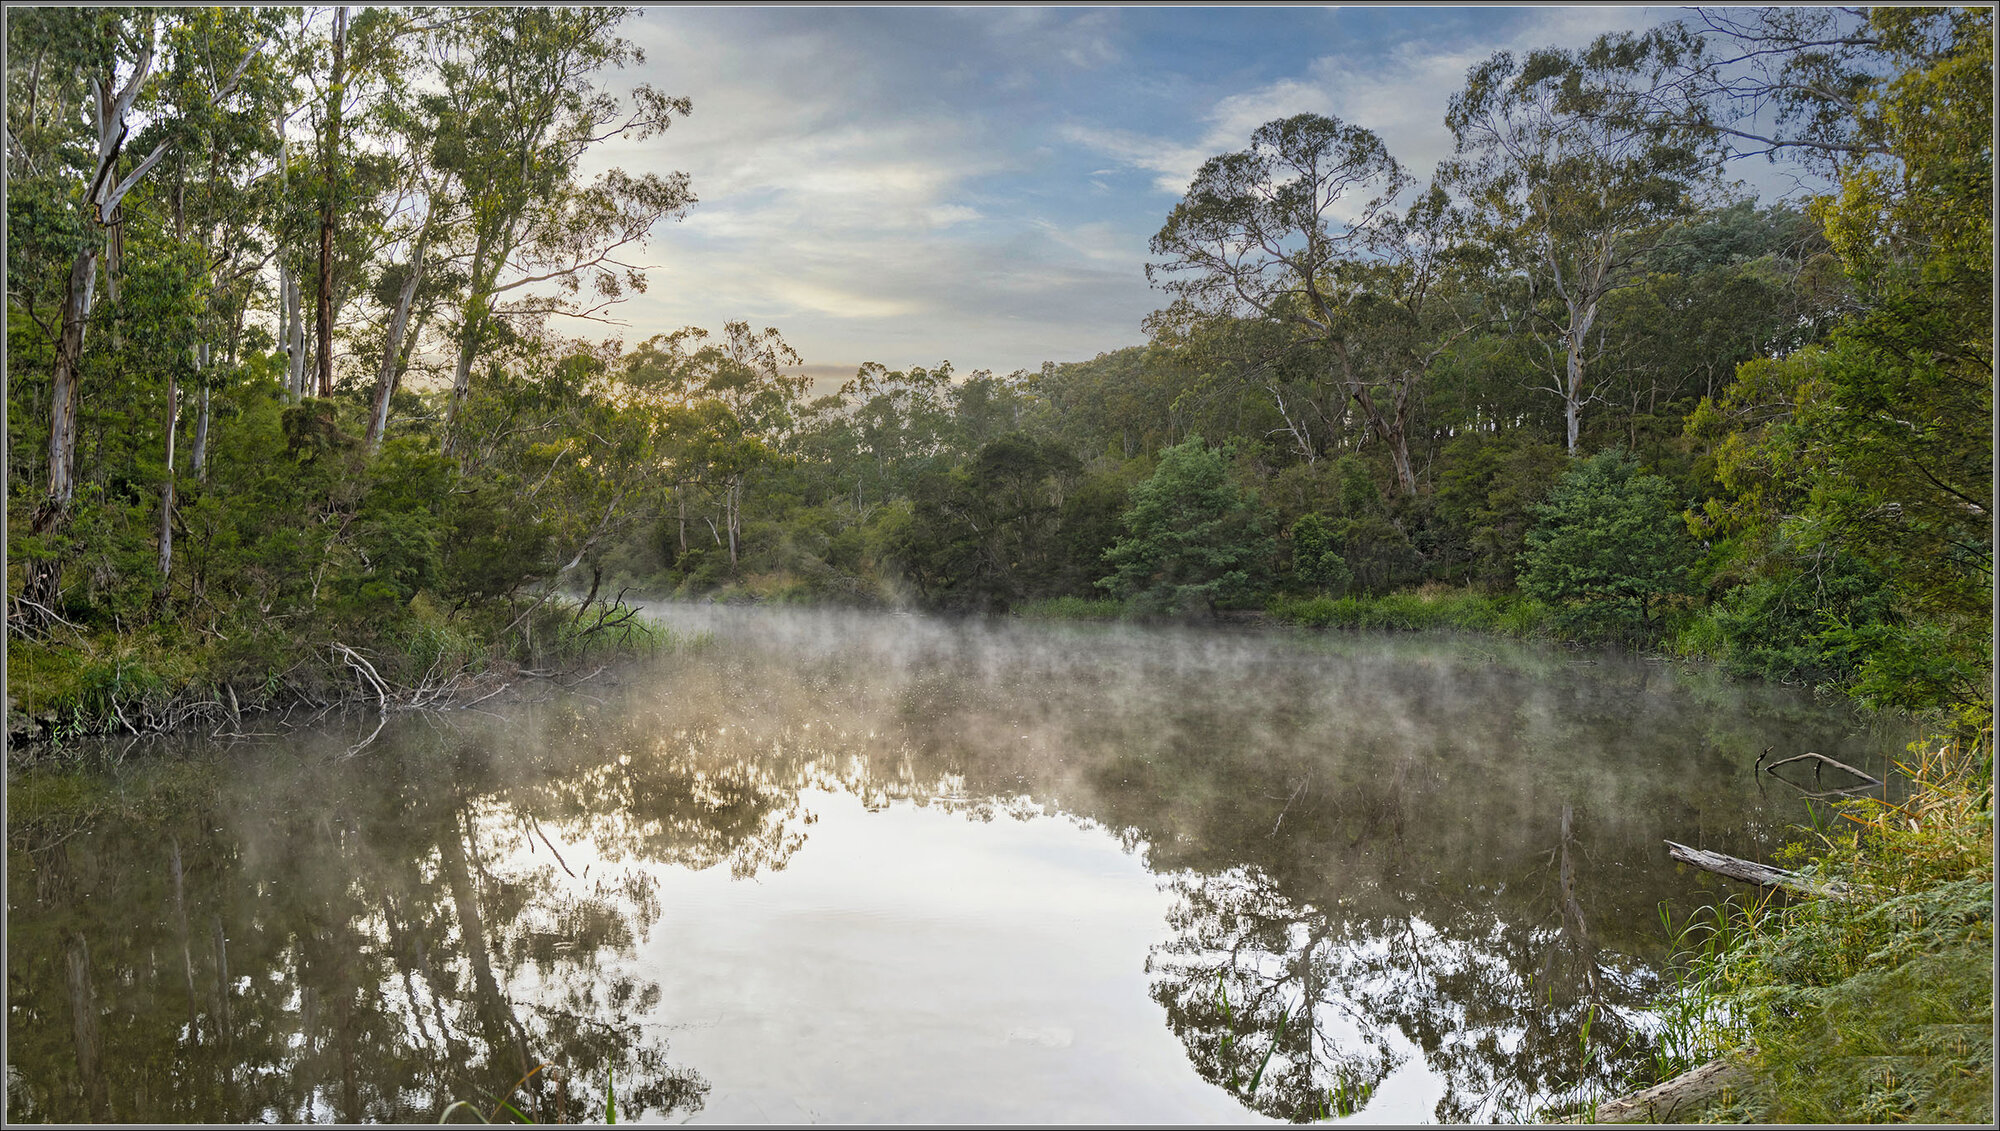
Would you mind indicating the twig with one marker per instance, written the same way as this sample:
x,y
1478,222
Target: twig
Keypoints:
x,y
46,611
488,695
360,664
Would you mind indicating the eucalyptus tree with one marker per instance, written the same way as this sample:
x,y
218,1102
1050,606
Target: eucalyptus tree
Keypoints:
x,y
1795,82
92,79
1302,228
217,147
345,68
902,422
1574,181
521,93
427,202
740,401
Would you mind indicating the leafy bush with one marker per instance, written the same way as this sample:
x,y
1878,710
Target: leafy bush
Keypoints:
x,y
1316,558
1608,548
1196,539
1880,1008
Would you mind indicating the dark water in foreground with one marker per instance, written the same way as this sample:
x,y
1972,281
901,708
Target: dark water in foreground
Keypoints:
x,y
865,867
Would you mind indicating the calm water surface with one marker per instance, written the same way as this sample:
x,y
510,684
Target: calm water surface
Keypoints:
x,y
869,867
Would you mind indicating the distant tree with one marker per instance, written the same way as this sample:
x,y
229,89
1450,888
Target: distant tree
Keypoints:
x,y
987,534
1195,538
1302,229
1608,547
1573,182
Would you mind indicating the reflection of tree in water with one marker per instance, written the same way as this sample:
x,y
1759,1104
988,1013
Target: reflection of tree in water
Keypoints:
x,y
1378,855
358,941
1256,987
1494,1000
1460,857
1502,996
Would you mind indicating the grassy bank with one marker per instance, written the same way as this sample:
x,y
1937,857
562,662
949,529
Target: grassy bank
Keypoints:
x,y
71,684
1418,610
1870,1008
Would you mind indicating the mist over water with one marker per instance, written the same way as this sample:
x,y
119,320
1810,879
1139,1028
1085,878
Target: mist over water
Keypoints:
x,y
857,866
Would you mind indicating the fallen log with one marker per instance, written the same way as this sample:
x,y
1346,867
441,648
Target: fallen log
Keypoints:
x,y
1751,872
1678,1097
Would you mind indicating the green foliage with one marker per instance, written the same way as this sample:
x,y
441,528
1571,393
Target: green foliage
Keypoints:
x,y
1608,548
1421,610
1487,491
1817,380
1195,539
1316,558
1875,447
1876,1009
988,534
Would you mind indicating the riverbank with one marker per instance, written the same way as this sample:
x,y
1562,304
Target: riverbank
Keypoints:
x,y
71,684
1873,1003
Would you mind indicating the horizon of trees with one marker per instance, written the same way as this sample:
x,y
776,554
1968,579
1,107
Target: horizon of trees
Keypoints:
x,y
241,239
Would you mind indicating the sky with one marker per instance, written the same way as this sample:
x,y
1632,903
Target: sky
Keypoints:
x,y
912,185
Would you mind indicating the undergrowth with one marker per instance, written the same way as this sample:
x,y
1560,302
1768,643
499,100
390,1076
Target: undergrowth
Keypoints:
x,y
1071,608
1870,1009
1417,610
71,684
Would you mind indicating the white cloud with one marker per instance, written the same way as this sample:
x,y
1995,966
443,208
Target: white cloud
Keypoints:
x,y
1402,97
877,182
1174,163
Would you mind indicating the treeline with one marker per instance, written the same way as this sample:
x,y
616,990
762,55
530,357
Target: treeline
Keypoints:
x,y
319,393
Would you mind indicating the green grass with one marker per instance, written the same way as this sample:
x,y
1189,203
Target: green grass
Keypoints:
x,y
1870,1010
1071,608
1420,610
501,1104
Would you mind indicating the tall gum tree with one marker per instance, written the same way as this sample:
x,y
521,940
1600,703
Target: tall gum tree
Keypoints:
x,y
1574,181
215,141
114,59
522,94
1296,229
427,202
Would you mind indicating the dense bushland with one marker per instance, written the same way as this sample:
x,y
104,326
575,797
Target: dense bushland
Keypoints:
x,y
286,373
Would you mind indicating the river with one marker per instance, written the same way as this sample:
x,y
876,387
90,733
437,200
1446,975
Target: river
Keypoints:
x,y
806,866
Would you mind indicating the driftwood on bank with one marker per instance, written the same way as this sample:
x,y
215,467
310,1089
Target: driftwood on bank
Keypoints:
x,y
1751,872
1680,1096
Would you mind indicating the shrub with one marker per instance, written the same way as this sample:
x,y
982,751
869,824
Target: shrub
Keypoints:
x,y
1195,538
1609,547
1878,1009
